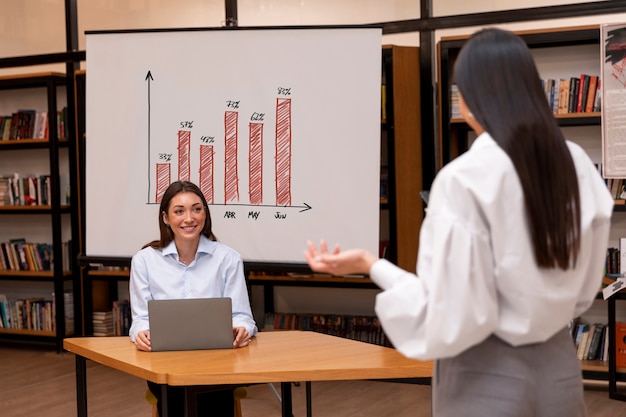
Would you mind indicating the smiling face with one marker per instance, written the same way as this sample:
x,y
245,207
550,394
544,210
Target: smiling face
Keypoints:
x,y
185,216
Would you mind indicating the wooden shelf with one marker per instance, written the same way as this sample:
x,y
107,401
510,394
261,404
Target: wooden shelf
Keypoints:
x,y
37,209
31,76
311,279
23,332
36,275
97,274
14,144
598,366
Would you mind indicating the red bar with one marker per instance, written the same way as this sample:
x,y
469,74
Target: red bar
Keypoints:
x,y
255,160
207,154
163,178
184,150
231,169
283,151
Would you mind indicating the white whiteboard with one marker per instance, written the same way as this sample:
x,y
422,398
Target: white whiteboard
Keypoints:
x,y
191,102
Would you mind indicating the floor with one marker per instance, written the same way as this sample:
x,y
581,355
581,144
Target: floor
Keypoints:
x,y
40,382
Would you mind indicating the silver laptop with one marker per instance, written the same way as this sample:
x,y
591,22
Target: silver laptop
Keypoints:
x,y
190,324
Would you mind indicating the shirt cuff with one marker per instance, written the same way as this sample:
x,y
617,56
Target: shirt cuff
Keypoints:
x,y
385,274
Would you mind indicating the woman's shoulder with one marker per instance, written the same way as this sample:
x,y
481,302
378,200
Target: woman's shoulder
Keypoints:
x,y
484,160
218,247
146,252
227,249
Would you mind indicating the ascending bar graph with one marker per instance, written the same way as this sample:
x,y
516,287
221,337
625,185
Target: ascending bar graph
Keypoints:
x,y
207,155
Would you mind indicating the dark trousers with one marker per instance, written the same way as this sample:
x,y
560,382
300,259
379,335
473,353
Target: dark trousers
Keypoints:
x,y
214,403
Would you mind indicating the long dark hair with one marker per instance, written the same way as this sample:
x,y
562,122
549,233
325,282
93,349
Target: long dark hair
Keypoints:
x,y
499,82
175,188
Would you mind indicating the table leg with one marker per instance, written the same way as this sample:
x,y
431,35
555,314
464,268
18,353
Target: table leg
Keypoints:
x,y
285,388
191,402
81,386
163,400
309,412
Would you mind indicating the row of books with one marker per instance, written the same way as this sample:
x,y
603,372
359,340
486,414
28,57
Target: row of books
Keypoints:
x,y
573,95
617,187
591,340
29,190
34,313
19,255
31,124
614,258
361,328
613,263
569,95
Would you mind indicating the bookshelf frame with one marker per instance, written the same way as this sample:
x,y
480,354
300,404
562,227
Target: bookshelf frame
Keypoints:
x,y
49,82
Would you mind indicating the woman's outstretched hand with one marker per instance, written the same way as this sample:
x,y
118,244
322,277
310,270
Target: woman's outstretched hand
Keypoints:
x,y
354,261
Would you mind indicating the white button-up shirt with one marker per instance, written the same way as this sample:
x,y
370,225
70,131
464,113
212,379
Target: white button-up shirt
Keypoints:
x,y
476,270
217,271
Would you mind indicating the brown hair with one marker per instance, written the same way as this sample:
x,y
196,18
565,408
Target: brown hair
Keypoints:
x,y
175,188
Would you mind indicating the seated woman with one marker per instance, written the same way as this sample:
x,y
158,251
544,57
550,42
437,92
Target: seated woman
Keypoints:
x,y
187,261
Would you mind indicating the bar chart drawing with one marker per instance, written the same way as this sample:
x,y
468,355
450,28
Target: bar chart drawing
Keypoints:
x,y
200,153
280,129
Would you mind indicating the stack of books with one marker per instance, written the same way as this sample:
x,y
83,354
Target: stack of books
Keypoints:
x,y
103,323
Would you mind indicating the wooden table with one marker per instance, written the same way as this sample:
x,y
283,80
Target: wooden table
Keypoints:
x,y
280,356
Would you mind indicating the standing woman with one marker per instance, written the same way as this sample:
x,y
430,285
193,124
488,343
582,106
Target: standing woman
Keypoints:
x,y
512,248
188,262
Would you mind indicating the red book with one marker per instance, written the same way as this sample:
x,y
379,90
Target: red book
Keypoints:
x,y
582,93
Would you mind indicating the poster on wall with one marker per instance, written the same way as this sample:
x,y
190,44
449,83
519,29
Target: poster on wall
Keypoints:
x,y
613,38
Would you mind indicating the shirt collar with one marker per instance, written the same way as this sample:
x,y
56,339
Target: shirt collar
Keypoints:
x,y
484,139
205,246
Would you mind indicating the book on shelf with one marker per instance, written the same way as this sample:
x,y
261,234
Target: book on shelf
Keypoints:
x,y
563,96
597,104
20,255
591,93
612,264
121,317
595,338
590,340
68,308
582,344
34,313
583,90
102,323
362,328
25,190
573,94
31,124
